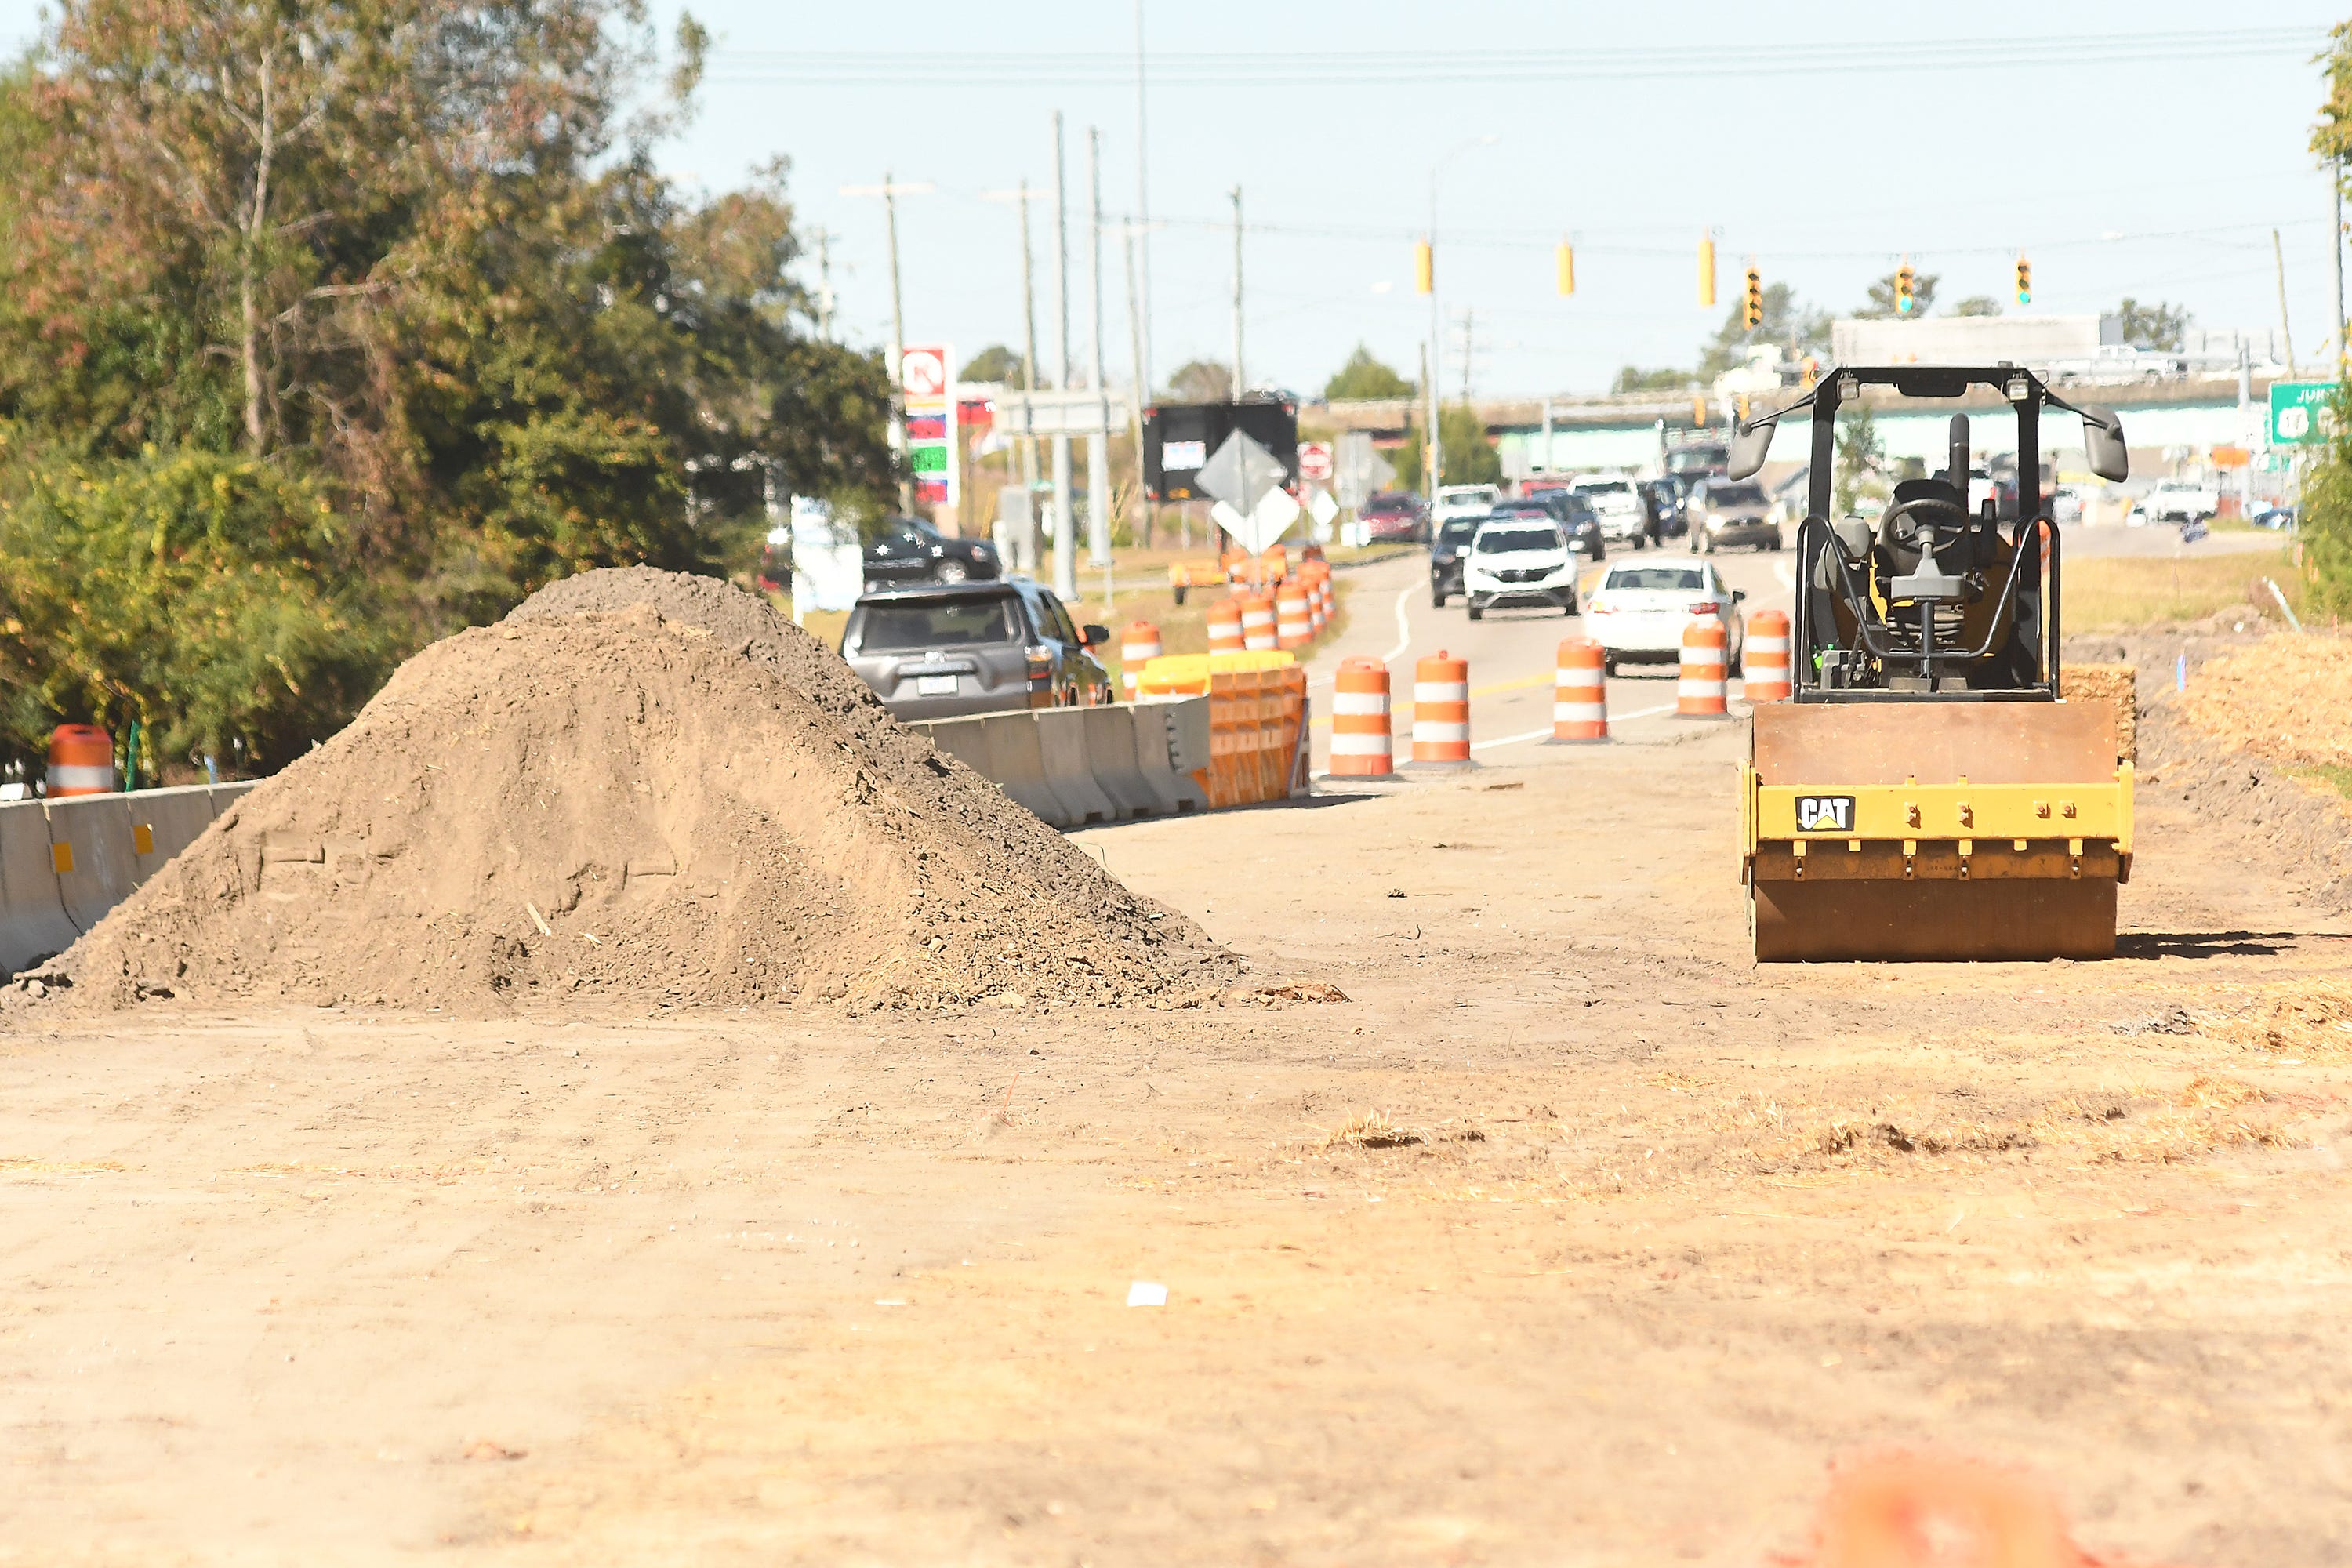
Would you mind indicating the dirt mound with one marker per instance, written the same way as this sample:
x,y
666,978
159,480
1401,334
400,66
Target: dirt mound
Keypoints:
x,y
645,788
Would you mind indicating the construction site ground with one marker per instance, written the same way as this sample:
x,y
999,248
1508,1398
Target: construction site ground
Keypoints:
x,y
1569,1236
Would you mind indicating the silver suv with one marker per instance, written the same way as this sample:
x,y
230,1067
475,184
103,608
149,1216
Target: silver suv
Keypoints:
x,y
973,647
1731,511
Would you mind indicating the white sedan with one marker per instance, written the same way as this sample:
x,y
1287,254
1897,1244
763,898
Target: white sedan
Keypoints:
x,y
1638,613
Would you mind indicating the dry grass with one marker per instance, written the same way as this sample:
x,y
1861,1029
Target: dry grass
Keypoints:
x,y
2312,1021
2282,699
1370,1130
2115,592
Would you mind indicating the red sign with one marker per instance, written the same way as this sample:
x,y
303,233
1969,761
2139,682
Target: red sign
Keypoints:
x,y
1315,462
923,372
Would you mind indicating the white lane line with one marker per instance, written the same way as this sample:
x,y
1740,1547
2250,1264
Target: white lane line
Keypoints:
x,y
1542,734
1405,628
1405,640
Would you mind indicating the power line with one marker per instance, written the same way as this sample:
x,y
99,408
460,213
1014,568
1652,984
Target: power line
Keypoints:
x,y
1369,67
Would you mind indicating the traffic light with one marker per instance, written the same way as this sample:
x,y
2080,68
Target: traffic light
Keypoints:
x,y
2024,281
1425,269
1706,274
1904,302
1564,263
1753,311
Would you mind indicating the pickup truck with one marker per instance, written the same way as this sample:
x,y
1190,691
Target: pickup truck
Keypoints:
x,y
2180,501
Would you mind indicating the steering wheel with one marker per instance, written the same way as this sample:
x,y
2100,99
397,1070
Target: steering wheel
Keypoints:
x,y
1924,523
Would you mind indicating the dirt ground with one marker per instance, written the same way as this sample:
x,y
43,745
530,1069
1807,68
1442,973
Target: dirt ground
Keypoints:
x,y
1570,1238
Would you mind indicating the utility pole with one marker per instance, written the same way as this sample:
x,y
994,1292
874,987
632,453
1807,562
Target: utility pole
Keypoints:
x,y
2286,334
1545,467
1465,356
1065,554
1142,217
1240,385
1023,196
1429,437
890,190
2335,248
824,284
1134,403
1098,437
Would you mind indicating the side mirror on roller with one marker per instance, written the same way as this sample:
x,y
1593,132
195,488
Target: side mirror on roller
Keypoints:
x,y
2103,440
1093,636
1748,445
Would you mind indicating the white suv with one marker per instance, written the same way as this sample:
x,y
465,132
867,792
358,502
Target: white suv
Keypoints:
x,y
1455,503
1518,561
1617,499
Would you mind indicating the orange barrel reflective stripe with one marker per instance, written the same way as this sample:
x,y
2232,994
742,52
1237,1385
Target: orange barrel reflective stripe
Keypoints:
x,y
1225,626
1361,746
1138,646
1258,623
1765,657
1700,693
1579,693
1291,627
1441,709
82,761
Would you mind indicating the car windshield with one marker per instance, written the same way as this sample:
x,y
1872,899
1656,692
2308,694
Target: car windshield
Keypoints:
x,y
1604,488
1735,495
1494,540
894,628
1387,505
1657,579
1461,532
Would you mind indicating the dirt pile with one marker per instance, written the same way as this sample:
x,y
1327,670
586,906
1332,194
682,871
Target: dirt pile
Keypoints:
x,y
640,788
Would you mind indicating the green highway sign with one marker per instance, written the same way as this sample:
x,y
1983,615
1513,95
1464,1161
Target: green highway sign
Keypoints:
x,y
2302,412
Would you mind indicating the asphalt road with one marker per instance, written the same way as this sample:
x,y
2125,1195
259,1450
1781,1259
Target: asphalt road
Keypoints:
x,y
1511,654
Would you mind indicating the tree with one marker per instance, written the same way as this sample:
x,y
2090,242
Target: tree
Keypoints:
x,y
1633,378
1978,305
1859,454
2331,137
2154,326
1406,458
1364,378
993,363
1787,323
2325,527
1881,304
414,260
1202,381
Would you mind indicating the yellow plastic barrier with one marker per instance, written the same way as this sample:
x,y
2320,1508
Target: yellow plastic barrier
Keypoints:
x,y
1257,714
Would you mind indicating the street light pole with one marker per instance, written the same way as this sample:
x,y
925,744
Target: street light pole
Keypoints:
x,y
1065,554
1240,385
1099,437
890,190
1142,217
1436,463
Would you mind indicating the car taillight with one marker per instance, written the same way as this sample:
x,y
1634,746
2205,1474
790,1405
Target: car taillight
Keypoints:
x,y
1706,607
1041,662
1599,606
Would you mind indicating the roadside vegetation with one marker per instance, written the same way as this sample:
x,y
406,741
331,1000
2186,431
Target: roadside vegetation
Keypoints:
x,y
332,326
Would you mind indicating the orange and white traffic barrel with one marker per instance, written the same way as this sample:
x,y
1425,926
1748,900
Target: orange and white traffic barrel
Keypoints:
x,y
1579,692
1258,623
1138,646
82,761
1361,746
1764,658
1700,693
1225,625
1291,627
1441,711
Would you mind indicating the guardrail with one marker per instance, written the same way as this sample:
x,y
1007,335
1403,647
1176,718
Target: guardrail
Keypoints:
x,y
65,863
1078,766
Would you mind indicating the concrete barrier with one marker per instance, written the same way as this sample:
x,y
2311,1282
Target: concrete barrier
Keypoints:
x,y
165,821
1016,760
965,740
33,923
94,854
1172,740
1062,741
1110,753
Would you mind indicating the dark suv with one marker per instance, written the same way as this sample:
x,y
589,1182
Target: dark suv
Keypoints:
x,y
973,647
908,550
1579,523
1451,543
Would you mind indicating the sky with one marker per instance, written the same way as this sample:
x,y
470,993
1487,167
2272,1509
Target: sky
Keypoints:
x,y
2144,147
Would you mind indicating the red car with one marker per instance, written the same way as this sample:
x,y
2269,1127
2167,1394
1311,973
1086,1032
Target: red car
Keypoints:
x,y
1395,517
